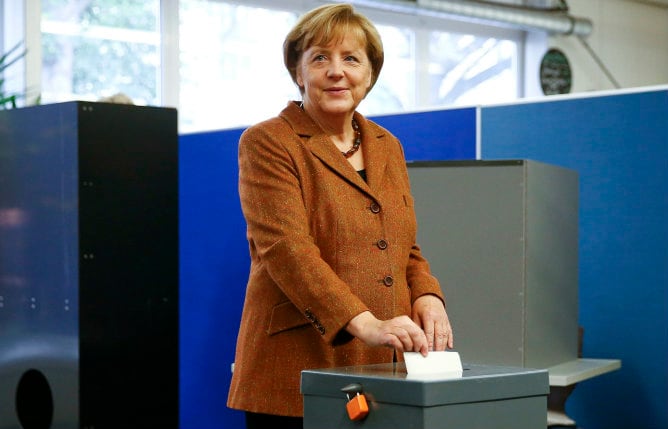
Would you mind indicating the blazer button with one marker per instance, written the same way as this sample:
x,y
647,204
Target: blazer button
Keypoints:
x,y
382,244
388,281
375,207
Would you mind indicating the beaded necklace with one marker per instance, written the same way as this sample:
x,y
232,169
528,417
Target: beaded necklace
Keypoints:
x,y
356,143
358,137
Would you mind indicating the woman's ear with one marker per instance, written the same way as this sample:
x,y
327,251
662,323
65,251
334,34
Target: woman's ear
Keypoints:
x,y
298,77
369,79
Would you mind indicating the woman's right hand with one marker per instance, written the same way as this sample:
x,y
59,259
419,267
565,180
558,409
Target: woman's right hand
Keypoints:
x,y
400,333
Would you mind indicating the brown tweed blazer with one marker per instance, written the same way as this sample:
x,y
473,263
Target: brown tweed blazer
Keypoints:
x,y
325,246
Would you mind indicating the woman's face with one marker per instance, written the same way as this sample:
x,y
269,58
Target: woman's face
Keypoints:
x,y
335,78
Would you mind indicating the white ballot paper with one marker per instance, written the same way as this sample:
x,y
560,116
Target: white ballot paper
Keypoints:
x,y
436,366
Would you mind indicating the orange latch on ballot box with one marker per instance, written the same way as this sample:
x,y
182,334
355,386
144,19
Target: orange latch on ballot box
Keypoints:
x,y
356,406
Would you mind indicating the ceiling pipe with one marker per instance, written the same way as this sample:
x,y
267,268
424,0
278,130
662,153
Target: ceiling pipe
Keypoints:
x,y
531,19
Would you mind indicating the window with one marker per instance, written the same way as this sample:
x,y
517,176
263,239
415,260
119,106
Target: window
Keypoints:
x,y
395,90
12,52
230,74
97,48
468,69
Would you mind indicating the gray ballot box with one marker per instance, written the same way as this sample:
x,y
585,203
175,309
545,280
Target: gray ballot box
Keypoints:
x,y
484,397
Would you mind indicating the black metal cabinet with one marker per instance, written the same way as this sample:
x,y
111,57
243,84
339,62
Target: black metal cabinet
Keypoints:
x,y
89,263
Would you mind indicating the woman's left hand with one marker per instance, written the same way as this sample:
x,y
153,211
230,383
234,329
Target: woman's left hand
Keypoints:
x,y
429,313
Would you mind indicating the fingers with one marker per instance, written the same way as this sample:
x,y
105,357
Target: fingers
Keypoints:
x,y
443,337
401,332
429,333
439,335
404,335
429,313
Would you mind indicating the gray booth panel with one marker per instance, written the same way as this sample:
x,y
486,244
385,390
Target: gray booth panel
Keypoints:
x,y
502,237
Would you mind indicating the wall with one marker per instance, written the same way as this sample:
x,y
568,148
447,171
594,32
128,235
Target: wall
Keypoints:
x,y
629,37
618,143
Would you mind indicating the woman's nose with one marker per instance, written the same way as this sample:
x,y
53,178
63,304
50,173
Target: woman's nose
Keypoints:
x,y
335,69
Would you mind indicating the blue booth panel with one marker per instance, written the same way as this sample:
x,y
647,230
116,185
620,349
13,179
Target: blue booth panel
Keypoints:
x,y
214,268
437,135
618,143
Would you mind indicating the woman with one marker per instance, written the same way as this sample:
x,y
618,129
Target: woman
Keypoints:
x,y
335,270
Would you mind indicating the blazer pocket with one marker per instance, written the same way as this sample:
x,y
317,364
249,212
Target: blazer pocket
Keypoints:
x,y
285,316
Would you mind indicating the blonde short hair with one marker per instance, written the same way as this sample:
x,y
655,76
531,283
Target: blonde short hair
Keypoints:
x,y
326,23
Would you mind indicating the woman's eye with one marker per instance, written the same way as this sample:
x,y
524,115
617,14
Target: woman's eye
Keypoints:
x,y
319,57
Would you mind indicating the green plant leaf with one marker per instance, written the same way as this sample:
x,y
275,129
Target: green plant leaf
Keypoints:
x,y
6,62
8,100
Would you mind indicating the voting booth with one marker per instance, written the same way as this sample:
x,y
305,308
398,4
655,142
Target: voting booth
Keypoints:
x,y
502,237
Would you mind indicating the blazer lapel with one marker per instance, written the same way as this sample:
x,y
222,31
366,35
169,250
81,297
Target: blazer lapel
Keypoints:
x,y
322,147
375,152
374,140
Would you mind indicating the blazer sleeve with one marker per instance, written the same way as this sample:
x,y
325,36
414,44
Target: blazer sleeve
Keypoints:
x,y
272,203
419,277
